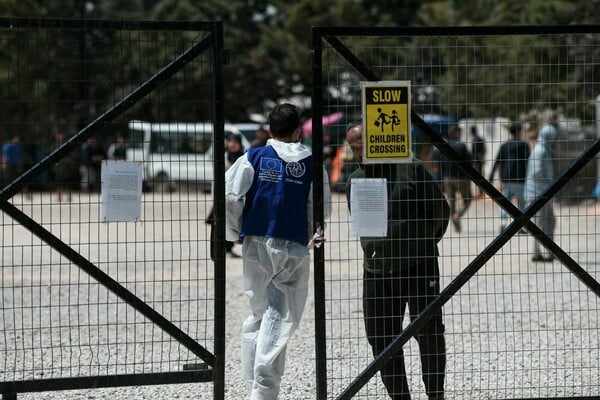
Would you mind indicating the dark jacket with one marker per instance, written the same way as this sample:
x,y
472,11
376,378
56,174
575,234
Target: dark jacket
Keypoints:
x,y
512,160
450,170
418,215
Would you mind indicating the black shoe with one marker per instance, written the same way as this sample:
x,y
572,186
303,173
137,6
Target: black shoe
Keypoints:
x,y
541,258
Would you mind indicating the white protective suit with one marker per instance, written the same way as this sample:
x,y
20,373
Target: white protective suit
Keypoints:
x,y
275,278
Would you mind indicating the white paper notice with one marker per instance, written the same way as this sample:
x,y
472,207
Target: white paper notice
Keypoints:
x,y
368,202
121,191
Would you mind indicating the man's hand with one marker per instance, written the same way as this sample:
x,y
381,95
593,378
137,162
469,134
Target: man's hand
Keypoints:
x,y
317,240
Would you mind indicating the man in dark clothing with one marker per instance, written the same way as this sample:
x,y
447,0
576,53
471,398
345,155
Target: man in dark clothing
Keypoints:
x,y
477,152
402,269
453,178
511,161
12,158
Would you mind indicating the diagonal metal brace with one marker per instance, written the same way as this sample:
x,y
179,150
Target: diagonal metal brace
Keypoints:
x,y
112,285
108,116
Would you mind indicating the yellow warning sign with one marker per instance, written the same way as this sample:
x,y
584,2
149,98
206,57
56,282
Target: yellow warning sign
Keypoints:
x,y
386,122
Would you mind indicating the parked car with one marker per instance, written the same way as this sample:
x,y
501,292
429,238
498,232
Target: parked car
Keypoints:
x,y
175,152
248,129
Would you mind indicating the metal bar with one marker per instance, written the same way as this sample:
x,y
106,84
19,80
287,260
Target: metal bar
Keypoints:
x,y
89,382
219,213
558,398
108,282
104,24
141,91
350,31
319,256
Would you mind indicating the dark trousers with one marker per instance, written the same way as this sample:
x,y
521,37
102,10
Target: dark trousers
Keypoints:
x,y
384,301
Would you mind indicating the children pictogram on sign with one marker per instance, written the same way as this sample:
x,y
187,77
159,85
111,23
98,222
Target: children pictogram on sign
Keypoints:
x,y
383,119
395,120
386,116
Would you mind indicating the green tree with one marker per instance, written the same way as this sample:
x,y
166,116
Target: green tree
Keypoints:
x,y
509,75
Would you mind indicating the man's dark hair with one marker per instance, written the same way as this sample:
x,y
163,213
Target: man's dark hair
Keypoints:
x,y
284,120
454,132
514,129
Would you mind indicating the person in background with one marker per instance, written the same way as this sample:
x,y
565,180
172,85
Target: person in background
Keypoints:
x,y
260,140
66,174
402,268
268,195
13,161
511,161
453,178
234,149
92,154
12,158
118,150
540,174
477,154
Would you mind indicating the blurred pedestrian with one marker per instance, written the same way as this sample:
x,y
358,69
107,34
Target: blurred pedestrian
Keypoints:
x,y
454,179
477,154
234,149
511,161
12,158
92,154
118,150
66,172
260,140
540,174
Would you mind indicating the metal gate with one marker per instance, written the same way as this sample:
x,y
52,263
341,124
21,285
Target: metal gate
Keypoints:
x,y
87,303
514,328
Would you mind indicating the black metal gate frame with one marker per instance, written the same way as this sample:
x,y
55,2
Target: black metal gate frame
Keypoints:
x,y
520,219
214,368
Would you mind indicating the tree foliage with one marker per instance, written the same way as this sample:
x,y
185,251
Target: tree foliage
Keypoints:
x,y
63,77
508,70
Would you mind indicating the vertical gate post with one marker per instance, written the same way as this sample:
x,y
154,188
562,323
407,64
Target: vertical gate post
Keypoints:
x,y
319,256
219,207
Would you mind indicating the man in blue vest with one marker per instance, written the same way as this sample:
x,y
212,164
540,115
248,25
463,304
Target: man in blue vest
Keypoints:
x,y
268,194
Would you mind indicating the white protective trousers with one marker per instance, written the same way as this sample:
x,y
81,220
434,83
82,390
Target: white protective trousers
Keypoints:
x,y
276,284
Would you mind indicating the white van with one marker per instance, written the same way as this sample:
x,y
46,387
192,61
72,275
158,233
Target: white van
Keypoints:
x,y
175,152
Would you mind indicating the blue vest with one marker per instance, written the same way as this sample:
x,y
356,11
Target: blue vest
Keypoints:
x,y
276,203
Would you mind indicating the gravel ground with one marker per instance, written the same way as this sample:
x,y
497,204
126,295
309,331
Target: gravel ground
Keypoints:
x,y
517,329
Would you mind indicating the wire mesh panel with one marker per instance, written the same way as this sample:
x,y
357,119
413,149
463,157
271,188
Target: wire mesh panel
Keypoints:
x,y
521,324
83,296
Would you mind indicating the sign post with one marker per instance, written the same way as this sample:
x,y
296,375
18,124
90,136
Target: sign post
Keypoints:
x,y
386,122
